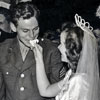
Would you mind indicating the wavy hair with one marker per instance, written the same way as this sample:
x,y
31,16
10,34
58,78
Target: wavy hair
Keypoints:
x,y
24,10
73,45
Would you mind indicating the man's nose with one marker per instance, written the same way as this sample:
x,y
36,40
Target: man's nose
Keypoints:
x,y
31,34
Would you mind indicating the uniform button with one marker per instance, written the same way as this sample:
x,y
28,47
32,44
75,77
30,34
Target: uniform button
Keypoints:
x,y
22,75
22,89
7,73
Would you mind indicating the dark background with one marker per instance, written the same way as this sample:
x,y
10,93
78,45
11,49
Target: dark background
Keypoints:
x,y
54,12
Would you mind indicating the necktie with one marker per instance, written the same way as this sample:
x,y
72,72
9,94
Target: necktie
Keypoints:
x,y
24,53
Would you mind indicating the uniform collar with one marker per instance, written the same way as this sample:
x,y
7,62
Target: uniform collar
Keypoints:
x,y
23,48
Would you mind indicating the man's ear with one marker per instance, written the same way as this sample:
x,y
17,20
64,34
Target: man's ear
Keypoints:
x,y
13,27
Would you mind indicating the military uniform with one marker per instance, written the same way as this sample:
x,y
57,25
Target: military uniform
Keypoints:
x,y
18,77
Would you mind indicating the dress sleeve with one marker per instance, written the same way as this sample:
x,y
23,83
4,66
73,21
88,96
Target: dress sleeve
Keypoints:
x,y
78,88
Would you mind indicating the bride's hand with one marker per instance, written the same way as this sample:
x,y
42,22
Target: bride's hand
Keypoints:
x,y
38,52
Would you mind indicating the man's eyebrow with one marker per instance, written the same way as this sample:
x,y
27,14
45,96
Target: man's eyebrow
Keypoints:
x,y
35,27
24,28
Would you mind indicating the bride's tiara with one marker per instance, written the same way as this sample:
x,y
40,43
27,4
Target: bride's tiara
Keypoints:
x,y
85,26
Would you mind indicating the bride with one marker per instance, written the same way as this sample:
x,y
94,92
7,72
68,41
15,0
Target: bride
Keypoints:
x,y
81,82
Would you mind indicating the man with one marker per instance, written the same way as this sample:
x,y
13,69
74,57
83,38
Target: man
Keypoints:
x,y
5,30
17,62
5,19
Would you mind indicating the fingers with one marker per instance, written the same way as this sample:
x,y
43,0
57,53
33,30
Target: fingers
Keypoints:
x,y
38,51
38,48
33,42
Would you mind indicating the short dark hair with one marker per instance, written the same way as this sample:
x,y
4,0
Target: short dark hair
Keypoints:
x,y
24,10
6,12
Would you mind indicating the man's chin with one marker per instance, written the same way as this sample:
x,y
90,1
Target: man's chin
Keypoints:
x,y
26,43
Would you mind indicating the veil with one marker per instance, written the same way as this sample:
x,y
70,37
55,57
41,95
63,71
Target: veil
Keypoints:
x,y
88,62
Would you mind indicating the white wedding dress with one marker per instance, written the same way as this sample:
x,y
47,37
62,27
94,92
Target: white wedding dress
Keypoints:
x,y
85,84
76,88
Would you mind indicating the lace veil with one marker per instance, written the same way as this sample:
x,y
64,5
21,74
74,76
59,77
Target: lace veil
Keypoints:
x,y
88,62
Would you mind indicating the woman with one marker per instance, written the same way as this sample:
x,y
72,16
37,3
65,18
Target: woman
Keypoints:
x,y
80,50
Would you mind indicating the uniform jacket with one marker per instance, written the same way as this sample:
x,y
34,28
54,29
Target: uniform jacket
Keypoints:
x,y
18,78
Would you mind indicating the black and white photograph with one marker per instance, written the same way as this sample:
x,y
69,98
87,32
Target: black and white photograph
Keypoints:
x,y
49,49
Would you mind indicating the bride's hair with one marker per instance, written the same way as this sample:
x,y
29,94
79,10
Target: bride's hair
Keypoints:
x,y
73,44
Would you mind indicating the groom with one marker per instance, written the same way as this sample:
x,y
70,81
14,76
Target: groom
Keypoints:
x,y
17,63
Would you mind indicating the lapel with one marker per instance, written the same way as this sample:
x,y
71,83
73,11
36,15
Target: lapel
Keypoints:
x,y
16,54
19,64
